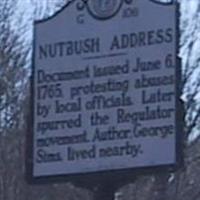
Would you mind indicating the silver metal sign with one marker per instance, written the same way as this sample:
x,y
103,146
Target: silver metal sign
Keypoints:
x,y
105,88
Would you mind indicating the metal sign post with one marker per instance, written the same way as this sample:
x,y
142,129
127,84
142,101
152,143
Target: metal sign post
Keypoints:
x,y
104,192
107,191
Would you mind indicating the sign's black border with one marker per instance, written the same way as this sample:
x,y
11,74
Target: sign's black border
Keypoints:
x,y
119,177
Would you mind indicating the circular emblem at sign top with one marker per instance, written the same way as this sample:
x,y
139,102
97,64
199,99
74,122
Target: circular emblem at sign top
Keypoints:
x,y
104,9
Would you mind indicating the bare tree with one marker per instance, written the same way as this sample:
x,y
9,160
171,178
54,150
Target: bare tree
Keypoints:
x,y
15,53
44,9
190,60
13,78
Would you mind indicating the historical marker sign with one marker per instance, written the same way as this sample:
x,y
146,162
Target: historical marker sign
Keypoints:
x,y
105,88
